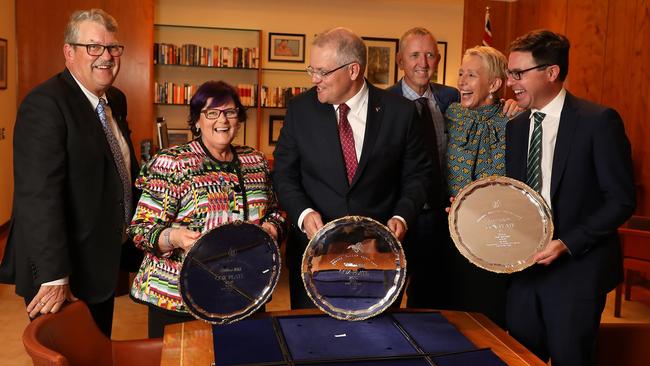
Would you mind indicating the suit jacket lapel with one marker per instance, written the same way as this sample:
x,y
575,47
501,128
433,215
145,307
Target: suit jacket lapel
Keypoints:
x,y
519,148
563,143
326,125
373,123
89,120
119,114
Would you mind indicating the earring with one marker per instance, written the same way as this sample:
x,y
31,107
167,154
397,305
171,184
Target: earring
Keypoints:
x,y
198,129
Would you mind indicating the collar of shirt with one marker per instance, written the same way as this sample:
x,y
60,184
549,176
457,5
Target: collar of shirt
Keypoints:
x,y
554,108
94,100
412,95
357,117
358,103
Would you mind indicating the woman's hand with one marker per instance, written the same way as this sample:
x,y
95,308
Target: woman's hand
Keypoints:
x,y
451,200
271,230
181,237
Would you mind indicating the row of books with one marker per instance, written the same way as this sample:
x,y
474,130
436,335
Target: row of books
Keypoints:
x,y
195,55
173,93
278,96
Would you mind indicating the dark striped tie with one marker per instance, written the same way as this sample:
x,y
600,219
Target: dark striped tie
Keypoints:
x,y
117,158
534,166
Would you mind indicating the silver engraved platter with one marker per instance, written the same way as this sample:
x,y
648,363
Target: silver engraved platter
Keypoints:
x,y
229,273
353,268
499,223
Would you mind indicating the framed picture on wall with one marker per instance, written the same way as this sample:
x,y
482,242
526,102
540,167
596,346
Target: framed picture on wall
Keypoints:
x,y
178,136
3,63
286,47
381,70
275,125
439,75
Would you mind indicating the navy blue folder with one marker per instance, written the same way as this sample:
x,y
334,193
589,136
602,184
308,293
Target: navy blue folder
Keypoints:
x,y
400,339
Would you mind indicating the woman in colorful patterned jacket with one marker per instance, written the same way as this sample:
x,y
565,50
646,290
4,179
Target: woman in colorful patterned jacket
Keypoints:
x,y
190,189
476,149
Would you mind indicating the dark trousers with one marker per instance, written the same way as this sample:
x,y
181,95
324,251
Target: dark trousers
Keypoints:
x,y
554,323
441,278
296,244
158,318
102,314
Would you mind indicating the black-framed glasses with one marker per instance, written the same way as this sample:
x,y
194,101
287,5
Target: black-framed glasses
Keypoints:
x,y
94,49
214,113
516,74
323,74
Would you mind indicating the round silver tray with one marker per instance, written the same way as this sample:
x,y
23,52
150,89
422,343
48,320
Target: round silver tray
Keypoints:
x,y
499,223
353,268
229,273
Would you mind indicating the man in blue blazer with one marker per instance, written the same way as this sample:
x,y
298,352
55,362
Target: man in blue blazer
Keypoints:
x,y
428,243
585,175
377,169
71,204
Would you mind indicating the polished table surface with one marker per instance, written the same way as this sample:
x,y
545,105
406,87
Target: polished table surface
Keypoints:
x,y
191,343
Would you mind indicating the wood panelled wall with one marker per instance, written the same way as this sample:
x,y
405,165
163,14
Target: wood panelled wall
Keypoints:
x,y
609,57
39,31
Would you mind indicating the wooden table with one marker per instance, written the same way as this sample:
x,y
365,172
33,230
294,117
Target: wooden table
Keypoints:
x,y
191,343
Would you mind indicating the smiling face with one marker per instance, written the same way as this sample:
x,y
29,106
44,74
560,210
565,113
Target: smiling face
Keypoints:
x,y
217,134
419,59
537,87
338,86
475,82
95,73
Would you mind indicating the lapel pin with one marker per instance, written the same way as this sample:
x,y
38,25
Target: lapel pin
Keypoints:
x,y
377,109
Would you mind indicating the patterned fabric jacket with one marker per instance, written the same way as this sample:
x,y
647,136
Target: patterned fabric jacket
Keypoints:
x,y
185,187
477,144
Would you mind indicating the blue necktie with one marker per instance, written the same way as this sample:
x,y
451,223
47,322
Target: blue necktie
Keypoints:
x,y
534,166
117,158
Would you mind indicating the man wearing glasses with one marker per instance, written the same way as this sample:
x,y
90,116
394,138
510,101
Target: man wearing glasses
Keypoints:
x,y
346,148
576,154
73,170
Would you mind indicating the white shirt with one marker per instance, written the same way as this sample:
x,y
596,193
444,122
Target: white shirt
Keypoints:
x,y
550,126
357,117
124,146
124,149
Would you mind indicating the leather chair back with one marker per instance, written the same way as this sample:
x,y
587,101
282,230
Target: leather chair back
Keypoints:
x,y
70,337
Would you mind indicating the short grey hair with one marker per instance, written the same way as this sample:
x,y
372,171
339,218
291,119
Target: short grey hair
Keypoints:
x,y
349,47
417,31
71,33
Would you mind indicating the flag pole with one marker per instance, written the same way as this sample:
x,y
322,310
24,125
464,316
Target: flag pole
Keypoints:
x,y
487,31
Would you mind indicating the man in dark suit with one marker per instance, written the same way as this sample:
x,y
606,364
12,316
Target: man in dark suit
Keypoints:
x,y
584,173
428,244
73,175
346,148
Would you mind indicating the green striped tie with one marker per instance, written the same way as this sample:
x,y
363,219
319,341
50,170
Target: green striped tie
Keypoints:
x,y
534,166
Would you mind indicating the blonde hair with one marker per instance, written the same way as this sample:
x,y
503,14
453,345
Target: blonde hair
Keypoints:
x,y
494,61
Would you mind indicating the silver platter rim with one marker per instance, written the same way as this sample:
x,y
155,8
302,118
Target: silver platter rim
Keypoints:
x,y
536,198
275,278
321,232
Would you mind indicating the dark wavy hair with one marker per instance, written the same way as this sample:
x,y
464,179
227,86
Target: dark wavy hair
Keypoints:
x,y
546,47
221,93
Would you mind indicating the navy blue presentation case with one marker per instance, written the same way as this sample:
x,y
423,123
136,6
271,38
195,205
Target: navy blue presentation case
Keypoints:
x,y
390,339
